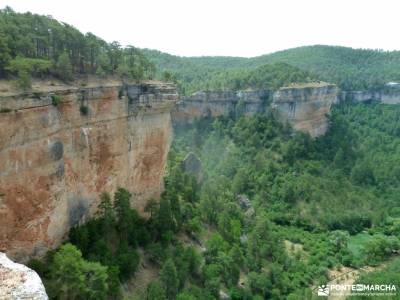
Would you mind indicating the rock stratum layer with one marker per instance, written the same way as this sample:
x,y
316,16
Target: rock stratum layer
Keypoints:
x,y
304,106
386,96
219,103
56,160
18,282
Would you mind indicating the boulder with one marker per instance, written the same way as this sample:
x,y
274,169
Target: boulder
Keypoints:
x,y
223,295
244,202
19,282
250,213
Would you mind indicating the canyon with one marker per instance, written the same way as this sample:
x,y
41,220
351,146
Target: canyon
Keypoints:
x,y
61,146
305,106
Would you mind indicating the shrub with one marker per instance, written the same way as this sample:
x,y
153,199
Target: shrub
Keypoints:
x,y
84,110
5,110
24,80
120,93
56,100
36,95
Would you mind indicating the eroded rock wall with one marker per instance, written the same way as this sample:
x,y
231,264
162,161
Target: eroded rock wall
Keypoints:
x,y
219,103
306,107
386,96
56,160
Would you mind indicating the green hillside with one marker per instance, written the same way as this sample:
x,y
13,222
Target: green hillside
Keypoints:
x,y
351,69
314,207
32,45
38,46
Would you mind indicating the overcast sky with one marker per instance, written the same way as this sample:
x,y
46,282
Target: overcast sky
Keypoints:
x,y
229,27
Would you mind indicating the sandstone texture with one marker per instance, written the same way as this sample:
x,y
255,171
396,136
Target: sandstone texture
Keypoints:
x,y
219,103
55,160
306,106
18,282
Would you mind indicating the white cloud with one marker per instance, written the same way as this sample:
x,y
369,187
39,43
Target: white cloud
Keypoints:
x,y
229,27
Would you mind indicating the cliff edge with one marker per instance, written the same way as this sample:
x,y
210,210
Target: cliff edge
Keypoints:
x,y
306,106
61,146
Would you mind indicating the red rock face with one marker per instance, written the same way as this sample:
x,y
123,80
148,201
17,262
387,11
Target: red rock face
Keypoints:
x,y
55,161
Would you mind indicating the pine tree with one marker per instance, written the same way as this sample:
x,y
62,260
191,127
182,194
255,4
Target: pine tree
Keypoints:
x,y
64,67
122,208
169,279
155,291
107,213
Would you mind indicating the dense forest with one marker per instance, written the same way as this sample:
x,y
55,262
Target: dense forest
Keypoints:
x,y
40,46
32,45
268,76
351,69
273,215
274,212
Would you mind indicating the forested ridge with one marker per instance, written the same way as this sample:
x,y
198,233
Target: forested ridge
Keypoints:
x,y
350,69
32,45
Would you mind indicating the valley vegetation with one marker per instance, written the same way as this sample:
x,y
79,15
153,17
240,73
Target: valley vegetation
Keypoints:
x,y
315,206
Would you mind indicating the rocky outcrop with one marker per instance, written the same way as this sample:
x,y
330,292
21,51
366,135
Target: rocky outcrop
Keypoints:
x,y
191,164
18,282
358,96
386,96
245,204
219,103
243,201
306,106
55,159
390,97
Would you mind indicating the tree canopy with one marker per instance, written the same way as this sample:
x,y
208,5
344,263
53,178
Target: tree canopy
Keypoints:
x,y
39,46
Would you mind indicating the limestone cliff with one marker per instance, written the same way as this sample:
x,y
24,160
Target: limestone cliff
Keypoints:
x,y
18,282
306,106
386,96
55,159
219,103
